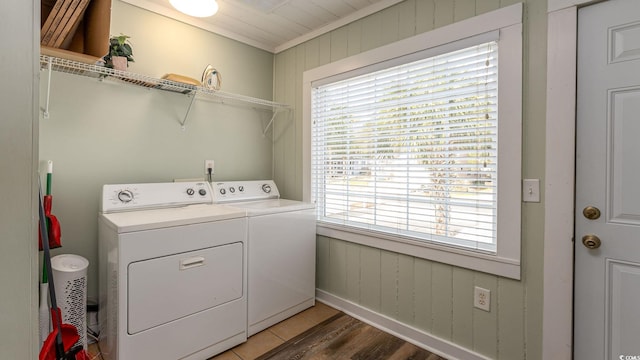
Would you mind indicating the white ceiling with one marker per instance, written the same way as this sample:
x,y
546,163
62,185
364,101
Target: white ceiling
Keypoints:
x,y
273,25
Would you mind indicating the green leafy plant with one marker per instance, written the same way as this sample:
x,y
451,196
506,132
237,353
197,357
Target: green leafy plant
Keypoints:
x,y
119,46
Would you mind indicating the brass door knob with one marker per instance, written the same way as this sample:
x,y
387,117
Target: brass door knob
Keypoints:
x,y
591,212
591,241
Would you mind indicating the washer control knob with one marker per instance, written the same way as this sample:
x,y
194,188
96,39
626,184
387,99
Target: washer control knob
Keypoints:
x,y
125,196
202,192
266,188
241,188
190,191
223,191
232,189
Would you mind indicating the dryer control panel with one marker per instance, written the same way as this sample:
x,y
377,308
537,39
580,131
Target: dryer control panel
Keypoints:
x,y
131,197
234,191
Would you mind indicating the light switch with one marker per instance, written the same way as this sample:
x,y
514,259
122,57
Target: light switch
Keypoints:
x,y
531,190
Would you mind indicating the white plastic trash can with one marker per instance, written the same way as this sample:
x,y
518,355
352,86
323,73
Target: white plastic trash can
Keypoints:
x,y
70,280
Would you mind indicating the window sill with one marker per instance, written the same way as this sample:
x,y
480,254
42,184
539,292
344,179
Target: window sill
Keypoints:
x,y
483,262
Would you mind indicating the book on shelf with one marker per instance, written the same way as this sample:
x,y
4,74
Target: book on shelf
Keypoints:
x,y
55,8
53,20
64,36
63,22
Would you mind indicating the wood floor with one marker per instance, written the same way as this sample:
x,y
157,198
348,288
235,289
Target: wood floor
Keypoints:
x,y
343,337
320,332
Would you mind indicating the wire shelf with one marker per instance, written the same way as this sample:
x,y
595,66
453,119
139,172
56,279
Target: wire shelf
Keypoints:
x,y
98,71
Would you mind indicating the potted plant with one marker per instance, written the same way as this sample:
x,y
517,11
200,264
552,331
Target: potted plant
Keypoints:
x,y
120,53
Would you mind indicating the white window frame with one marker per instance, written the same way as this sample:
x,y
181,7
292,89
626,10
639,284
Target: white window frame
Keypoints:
x,y
508,21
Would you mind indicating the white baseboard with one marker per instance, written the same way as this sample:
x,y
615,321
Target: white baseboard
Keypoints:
x,y
403,331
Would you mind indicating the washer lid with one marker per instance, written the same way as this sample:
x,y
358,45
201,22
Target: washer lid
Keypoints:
x,y
169,217
271,206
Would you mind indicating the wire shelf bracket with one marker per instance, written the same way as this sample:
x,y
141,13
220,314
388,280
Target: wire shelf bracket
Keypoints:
x,y
186,115
45,114
276,111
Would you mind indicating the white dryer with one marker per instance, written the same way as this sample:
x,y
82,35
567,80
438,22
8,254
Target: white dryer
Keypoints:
x,y
172,272
281,250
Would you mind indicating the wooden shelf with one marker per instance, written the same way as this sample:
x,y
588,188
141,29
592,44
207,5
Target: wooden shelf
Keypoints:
x,y
82,28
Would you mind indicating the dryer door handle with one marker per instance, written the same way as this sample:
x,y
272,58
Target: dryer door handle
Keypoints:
x,y
191,262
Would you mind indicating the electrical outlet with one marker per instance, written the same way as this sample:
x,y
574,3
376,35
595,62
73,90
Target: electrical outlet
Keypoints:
x,y
208,164
482,298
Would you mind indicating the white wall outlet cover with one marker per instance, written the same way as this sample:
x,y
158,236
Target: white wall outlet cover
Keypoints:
x,y
482,298
209,164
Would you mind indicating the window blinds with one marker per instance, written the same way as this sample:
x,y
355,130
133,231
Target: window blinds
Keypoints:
x,y
411,150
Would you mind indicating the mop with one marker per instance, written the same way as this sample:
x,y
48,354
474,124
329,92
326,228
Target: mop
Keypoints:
x,y
59,343
54,233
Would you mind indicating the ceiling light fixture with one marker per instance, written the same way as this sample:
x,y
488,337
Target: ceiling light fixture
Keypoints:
x,y
197,8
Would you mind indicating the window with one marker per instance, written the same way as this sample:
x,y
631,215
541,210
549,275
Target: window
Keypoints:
x,y
417,151
411,149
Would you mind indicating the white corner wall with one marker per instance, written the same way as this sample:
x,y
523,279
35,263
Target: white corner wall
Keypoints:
x,y
18,151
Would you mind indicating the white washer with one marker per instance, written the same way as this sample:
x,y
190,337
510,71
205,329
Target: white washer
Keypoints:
x,y
281,250
172,272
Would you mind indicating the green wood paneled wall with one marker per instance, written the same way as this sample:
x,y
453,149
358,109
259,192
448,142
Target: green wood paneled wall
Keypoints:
x,y
434,297
430,296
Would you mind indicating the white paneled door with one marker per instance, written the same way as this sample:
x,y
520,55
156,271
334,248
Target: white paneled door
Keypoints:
x,y
607,238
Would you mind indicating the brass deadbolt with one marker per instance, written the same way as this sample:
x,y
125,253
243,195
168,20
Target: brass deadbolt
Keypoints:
x,y
591,241
591,212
